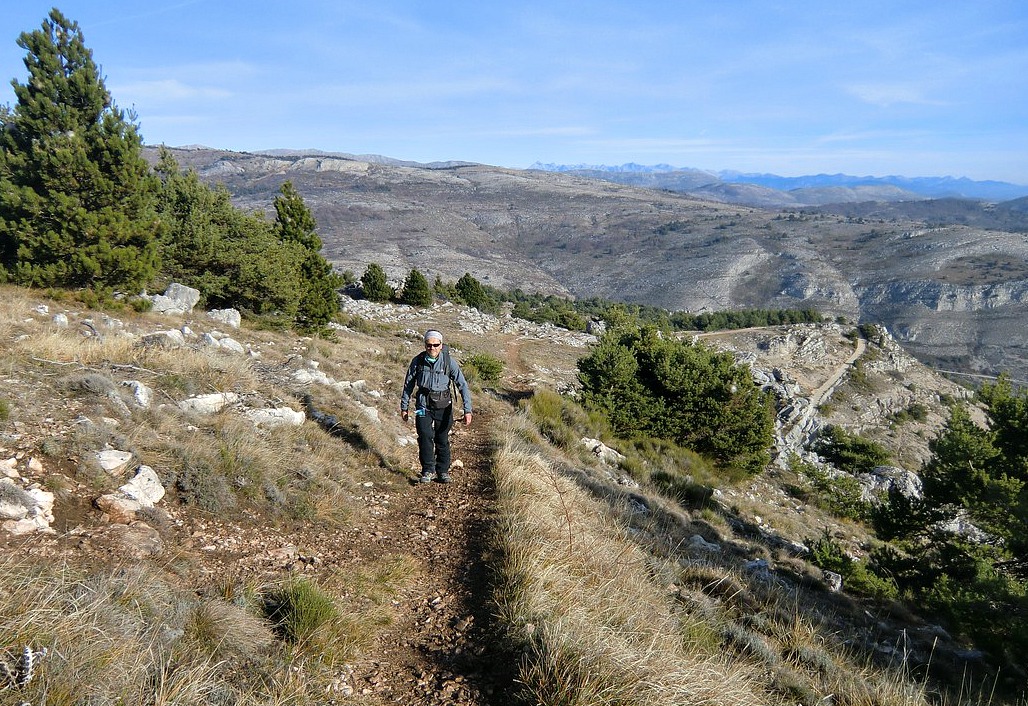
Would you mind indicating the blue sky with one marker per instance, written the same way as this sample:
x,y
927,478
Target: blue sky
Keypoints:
x,y
919,88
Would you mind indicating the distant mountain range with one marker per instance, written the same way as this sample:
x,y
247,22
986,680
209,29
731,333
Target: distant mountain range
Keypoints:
x,y
772,190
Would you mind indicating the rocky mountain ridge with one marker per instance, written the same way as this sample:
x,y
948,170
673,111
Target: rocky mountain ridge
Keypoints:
x,y
810,190
952,293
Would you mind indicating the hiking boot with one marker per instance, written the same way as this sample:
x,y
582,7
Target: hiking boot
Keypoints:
x,y
427,477
444,477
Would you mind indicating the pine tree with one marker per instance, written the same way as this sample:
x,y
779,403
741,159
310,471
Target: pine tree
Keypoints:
x,y
699,398
416,291
295,220
374,284
76,196
296,224
470,291
234,258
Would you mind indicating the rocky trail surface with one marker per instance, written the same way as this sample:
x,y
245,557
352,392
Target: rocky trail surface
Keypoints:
x,y
439,649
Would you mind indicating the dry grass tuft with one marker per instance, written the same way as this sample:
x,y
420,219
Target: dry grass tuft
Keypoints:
x,y
227,630
615,616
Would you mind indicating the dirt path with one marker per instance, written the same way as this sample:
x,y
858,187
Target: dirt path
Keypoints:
x,y
825,390
439,650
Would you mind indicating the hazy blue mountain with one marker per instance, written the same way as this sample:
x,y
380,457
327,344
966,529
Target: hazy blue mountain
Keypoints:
x,y
814,189
932,187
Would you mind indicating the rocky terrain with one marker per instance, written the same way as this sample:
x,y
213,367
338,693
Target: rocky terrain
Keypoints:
x,y
952,290
75,490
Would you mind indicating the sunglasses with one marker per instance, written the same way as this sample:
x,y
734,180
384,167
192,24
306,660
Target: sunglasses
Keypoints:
x,y
433,345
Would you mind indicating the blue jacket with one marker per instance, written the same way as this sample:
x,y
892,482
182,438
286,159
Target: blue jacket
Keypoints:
x,y
429,376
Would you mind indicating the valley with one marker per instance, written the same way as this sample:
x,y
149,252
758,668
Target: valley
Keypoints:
x,y
954,294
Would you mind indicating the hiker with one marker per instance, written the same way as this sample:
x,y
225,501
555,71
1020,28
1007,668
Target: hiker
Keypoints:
x,y
432,371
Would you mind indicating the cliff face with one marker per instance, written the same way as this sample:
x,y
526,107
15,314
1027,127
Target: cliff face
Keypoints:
x,y
953,294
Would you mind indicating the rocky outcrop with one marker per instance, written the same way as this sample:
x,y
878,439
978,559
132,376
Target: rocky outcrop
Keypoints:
x,y
177,299
944,297
143,490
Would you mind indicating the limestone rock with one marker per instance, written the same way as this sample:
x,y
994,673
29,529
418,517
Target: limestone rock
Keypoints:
x,y
229,317
177,299
885,479
145,487
164,339
142,394
371,414
119,508
113,461
699,543
230,344
276,417
25,511
832,580
603,452
208,404
216,339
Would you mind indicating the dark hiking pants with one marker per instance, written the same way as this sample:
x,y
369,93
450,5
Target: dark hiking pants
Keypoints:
x,y
434,439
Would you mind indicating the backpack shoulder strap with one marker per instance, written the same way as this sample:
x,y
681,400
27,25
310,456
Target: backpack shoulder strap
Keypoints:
x,y
446,359
449,376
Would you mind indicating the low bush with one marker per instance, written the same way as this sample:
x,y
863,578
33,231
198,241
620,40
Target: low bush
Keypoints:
x,y
827,554
840,495
483,367
560,420
849,452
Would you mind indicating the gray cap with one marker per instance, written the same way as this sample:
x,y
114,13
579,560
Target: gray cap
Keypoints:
x,y
432,333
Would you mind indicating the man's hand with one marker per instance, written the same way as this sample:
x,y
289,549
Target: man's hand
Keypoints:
x,y
467,419
404,413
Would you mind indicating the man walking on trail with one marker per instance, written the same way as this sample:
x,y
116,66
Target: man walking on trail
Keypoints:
x,y
433,371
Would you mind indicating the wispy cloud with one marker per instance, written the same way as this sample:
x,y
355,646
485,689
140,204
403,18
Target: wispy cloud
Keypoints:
x,y
879,136
168,90
888,94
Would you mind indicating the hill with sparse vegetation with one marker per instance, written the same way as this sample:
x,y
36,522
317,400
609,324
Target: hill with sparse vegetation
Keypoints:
x,y
710,491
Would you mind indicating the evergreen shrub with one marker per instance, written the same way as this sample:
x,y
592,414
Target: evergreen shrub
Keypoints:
x,y
484,367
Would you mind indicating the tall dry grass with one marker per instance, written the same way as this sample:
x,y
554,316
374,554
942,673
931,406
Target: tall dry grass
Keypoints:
x,y
133,636
615,606
578,595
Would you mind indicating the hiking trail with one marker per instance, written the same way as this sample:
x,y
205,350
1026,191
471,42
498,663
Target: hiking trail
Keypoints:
x,y
439,649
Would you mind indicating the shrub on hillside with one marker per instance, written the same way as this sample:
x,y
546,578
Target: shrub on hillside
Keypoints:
x,y
560,420
828,555
977,477
651,385
374,285
840,495
483,367
848,452
235,259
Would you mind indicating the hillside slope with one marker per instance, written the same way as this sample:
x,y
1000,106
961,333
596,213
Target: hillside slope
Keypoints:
x,y
428,596
954,294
